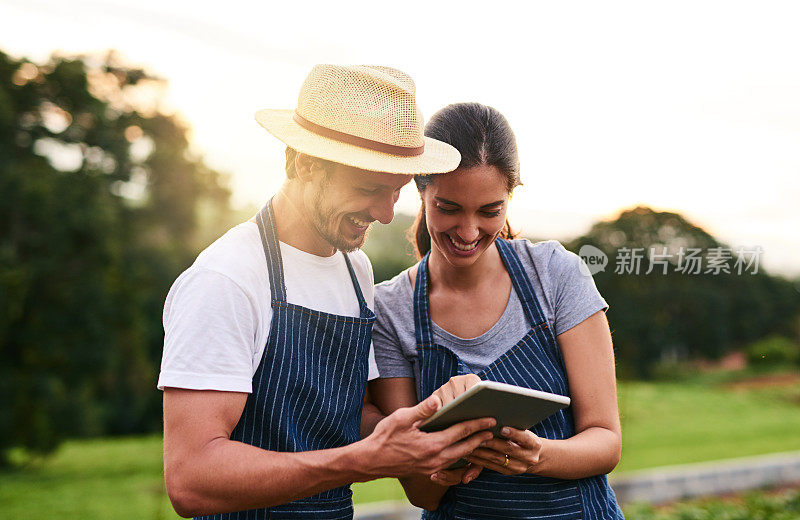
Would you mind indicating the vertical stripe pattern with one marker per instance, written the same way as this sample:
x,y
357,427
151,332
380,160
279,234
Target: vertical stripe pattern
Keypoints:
x,y
534,362
309,387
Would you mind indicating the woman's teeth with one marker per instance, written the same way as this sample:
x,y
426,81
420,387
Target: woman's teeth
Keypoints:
x,y
462,246
358,222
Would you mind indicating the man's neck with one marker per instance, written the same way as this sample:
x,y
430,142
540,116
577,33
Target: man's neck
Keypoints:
x,y
294,225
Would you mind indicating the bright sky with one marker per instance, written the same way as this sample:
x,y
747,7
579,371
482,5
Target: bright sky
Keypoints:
x,y
686,106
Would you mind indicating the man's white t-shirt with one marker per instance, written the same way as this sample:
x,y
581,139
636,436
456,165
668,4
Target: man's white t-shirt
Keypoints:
x,y
218,312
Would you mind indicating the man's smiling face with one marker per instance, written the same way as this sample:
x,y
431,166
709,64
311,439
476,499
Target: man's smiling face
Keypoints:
x,y
345,200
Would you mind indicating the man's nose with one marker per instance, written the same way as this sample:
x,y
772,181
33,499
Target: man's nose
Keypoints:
x,y
383,210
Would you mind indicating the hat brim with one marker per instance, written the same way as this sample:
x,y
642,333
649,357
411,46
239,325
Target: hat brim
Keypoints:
x,y
438,157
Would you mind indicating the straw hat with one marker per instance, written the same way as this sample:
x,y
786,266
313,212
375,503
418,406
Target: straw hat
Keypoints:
x,y
362,116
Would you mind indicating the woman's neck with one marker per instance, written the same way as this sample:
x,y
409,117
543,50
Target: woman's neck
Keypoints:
x,y
465,278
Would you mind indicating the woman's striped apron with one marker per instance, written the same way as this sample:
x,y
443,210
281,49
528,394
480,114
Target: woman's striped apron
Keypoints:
x,y
535,362
309,387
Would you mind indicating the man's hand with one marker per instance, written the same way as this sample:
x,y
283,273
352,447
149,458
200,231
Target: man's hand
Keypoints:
x,y
399,448
456,386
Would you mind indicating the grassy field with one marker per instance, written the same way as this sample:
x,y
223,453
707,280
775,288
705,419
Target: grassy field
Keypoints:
x,y
92,479
663,424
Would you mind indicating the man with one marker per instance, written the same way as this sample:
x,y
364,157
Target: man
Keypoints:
x,y
267,344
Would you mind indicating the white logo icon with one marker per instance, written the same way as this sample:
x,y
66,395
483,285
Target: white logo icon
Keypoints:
x,y
593,260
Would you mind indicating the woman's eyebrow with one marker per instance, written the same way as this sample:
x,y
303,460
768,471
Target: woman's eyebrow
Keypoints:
x,y
445,201
451,203
496,203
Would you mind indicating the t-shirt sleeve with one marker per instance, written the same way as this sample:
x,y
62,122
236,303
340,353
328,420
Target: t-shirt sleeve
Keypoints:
x,y
389,357
575,295
209,334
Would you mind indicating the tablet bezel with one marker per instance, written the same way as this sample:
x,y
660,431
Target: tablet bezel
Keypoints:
x,y
556,399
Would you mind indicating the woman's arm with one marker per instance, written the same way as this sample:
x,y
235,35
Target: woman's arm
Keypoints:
x,y
370,416
595,448
388,395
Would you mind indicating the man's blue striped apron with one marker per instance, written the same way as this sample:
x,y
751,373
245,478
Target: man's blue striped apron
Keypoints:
x,y
535,362
309,387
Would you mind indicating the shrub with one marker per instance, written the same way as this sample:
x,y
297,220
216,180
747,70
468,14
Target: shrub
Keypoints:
x,y
751,506
773,351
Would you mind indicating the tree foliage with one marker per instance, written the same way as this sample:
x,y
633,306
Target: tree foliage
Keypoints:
x,y
388,248
99,210
682,315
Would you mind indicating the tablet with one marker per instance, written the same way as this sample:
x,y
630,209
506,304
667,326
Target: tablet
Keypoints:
x,y
511,405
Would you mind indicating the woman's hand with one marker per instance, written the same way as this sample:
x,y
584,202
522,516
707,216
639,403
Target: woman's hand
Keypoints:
x,y
516,454
451,477
456,386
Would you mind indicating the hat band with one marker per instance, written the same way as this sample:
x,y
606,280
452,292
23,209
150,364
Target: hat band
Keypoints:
x,y
358,141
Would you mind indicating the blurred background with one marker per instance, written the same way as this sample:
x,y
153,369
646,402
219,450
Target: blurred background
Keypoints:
x,y
128,144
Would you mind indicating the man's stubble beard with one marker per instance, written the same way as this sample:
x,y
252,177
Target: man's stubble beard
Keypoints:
x,y
323,219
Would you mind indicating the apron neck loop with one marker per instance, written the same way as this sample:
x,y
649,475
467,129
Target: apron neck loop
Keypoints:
x,y
422,315
269,240
519,279
362,303
521,282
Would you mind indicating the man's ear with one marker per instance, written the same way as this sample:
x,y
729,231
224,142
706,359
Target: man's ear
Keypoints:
x,y
302,165
307,167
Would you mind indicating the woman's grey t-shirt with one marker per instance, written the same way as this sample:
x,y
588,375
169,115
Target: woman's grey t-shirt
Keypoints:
x,y
567,297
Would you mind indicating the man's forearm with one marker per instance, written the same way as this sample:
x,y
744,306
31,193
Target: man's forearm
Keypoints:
x,y
233,476
220,475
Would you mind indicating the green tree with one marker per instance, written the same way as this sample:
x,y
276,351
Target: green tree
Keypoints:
x,y
681,315
98,214
388,248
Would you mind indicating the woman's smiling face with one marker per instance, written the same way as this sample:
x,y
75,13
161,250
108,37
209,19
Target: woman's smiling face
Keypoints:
x,y
465,211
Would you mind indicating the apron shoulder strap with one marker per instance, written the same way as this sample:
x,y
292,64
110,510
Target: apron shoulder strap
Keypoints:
x,y
269,241
362,303
422,316
521,281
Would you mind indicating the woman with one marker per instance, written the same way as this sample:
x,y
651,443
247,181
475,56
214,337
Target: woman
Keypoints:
x,y
483,306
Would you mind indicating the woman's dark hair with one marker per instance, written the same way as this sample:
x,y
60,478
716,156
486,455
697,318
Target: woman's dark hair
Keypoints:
x,y
483,137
